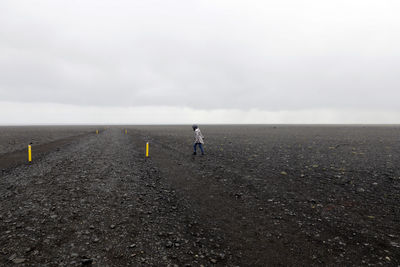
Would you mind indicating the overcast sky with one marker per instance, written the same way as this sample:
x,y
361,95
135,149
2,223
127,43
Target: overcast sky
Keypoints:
x,y
216,61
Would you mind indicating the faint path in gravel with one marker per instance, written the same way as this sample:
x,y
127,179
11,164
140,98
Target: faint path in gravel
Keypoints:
x,y
16,138
12,159
250,229
267,218
95,201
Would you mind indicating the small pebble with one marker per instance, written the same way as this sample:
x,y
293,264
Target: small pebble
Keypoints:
x,y
18,260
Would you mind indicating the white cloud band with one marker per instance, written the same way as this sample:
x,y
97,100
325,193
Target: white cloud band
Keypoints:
x,y
44,113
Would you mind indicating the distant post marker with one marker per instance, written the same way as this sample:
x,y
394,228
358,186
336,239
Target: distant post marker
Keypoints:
x,y
29,153
126,131
97,131
147,149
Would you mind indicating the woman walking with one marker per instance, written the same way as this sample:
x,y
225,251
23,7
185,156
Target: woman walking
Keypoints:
x,y
198,139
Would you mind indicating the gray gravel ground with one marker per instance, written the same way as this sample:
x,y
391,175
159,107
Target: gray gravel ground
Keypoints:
x,y
95,202
14,138
261,196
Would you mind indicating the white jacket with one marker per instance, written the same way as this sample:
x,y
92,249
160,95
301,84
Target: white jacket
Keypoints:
x,y
198,137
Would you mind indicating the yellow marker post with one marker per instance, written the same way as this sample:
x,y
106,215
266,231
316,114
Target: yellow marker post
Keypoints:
x,y
147,149
97,131
29,153
126,131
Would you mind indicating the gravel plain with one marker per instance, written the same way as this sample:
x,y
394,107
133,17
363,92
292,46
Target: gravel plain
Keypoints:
x,y
261,196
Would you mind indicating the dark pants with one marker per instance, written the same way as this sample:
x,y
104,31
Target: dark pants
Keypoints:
x,y
201,147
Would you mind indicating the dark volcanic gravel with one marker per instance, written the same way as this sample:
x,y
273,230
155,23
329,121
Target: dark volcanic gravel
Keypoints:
x,y
261,196
14,138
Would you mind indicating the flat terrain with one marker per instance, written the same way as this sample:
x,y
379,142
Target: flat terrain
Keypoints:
x,y
13,138
261,196
14,141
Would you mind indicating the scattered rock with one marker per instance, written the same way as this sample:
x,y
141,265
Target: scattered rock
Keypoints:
x,y
142,217
12,257
18,260
238,195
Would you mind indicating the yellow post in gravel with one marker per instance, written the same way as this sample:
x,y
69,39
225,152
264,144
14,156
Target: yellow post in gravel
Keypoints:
x,y
97,131
126,131
29,153
147,149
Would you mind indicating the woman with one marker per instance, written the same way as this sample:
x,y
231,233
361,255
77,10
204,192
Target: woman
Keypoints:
x,y
198,139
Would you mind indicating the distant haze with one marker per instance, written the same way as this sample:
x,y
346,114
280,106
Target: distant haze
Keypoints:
x,y
220,61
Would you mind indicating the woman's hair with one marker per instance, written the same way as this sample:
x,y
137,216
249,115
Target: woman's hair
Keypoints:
x,y
194,126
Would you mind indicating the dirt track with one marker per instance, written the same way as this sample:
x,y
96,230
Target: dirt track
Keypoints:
x,y
15,138
97,201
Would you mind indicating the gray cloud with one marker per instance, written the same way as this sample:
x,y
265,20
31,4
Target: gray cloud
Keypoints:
x,y
280,55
